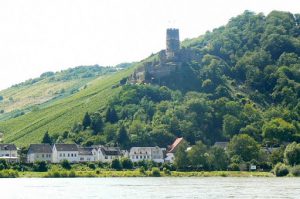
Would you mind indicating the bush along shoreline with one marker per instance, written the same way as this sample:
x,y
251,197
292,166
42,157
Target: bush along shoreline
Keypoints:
x,y
123,169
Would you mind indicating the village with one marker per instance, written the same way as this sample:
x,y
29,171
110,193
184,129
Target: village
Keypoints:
x,y
77,154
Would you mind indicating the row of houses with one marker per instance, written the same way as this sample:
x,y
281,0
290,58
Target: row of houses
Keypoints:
x,y
74,153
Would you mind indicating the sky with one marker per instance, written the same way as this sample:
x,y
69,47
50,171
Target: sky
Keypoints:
x,y
50,35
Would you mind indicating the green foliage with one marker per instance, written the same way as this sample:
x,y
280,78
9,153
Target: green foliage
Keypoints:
x,y
155,172
296,170
40,166
3,164
126,163
292,154
66,164
111,115
244,146
86,122
46,139
9,174
122,137
181,157
281,170
278,130
116,164
92,166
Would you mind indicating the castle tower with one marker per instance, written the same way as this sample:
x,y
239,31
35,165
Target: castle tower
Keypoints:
x,y
173,43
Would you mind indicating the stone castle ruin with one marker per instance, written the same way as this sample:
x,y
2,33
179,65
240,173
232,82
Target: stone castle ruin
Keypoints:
x,y
168,61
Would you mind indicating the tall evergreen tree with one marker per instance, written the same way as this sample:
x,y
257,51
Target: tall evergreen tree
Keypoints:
x,y
86,122
111,115
122,137
96,123
47,139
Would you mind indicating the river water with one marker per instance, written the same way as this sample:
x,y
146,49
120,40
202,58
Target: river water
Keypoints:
x,y
144,188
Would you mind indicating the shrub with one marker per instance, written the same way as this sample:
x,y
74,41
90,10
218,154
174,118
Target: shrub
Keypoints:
x,y
126,163
233,167
296,170
116,164
155,172
166,171
281,170
9,174
142,170
66,164
3,164
72,174
40,166
92,166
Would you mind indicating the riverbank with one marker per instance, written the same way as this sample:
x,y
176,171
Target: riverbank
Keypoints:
x,y
137,173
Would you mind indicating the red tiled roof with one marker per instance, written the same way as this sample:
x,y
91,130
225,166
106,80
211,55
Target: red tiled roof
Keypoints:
x,y
175,144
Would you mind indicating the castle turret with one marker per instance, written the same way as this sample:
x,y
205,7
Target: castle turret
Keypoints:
x,y
173,43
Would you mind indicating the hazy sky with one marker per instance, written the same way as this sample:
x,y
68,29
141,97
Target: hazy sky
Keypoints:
x,y
50,35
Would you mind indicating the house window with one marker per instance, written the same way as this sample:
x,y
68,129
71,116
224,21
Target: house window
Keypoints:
x,y
106,157
75,155
60,155
137,157
43,155
72,155
68,154
64,155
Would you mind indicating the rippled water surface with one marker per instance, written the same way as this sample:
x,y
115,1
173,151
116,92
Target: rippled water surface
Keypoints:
x,y
144,188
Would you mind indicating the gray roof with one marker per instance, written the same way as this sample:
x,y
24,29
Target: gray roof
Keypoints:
x,y
110,150
7,147
66,147
40,148
85,151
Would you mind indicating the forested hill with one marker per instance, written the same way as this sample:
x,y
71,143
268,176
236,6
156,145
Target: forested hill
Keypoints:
x,y
245,79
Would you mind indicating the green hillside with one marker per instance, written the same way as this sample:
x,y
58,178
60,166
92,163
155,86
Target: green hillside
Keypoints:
x,y
59,115
44,90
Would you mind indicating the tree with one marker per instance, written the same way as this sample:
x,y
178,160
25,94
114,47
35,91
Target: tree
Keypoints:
x,y
116,164
86,122
244,146
181,157
292,154
41,166
122,137
231,125
66,164
111,115
96,123
278,130
219,159
47,139
198,156
126,163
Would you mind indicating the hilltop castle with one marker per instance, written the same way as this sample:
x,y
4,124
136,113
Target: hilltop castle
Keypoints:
x,y
168,61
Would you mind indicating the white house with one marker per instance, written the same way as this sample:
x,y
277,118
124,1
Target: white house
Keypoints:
x,y
86,154
155,154
107,154
39,152
62,152
9,152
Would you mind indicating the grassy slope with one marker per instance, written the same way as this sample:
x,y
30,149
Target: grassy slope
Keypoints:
x,y
62,114
43,91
